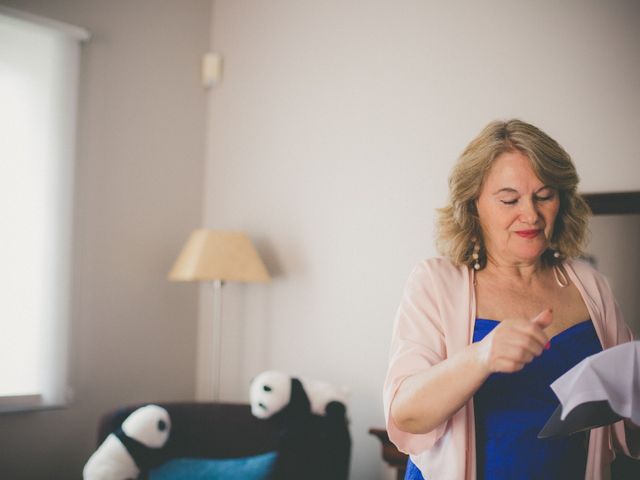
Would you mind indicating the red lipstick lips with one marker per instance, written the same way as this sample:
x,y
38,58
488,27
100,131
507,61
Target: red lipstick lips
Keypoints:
x,y
528,233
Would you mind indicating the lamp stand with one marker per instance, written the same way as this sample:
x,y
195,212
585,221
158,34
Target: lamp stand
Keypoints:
x,y
216,357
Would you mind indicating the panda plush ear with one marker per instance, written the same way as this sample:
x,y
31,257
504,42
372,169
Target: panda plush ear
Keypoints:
x,y
336,410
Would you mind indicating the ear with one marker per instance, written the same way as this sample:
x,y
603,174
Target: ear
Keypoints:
x,y
335,409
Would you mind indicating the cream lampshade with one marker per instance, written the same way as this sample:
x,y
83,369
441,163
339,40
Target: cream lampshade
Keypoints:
x,y
218,256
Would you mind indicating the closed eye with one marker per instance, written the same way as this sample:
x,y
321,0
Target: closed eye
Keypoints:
x,y
537,199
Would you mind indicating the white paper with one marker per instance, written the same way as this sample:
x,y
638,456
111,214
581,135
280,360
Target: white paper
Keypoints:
x,y
612,375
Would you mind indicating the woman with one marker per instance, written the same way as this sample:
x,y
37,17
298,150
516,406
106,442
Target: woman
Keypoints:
x,y
482,332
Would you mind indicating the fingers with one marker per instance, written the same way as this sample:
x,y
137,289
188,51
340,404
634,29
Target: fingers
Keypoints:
x,y
516,354
532,344
505,365
532,333
522,333
509,358
544,318
515,343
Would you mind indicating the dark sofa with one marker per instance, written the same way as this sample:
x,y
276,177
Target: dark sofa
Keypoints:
x,y
313,448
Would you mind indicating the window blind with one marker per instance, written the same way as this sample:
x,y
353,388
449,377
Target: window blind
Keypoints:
x,y
39,62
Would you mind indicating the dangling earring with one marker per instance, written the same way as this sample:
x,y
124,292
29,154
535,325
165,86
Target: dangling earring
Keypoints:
x,y
476,253
556,253
561,277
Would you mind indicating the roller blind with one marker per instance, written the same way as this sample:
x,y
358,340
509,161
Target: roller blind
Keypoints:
x,y
38,97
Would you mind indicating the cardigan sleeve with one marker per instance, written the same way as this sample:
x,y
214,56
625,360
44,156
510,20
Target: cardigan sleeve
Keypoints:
x,y
624,440
417,343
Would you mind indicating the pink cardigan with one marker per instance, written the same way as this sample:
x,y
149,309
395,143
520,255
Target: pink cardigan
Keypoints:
x,y
435,319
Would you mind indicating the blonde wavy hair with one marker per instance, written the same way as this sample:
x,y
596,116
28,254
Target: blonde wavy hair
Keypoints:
x,y
458,223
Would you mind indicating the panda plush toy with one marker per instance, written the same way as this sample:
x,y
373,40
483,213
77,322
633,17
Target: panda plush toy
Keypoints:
x,y
134,448
313,436
276,393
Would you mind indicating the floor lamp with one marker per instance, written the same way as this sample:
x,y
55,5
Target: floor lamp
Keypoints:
x,y
218,257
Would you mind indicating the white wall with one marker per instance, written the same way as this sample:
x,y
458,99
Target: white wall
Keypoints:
x,y
331,139
139,192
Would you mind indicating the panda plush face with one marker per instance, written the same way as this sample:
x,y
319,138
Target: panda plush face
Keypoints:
x,y
269,393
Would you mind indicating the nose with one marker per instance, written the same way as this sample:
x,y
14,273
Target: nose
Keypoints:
x,y
529,212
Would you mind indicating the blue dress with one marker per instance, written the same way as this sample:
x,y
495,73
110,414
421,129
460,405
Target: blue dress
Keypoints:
x,y
511,408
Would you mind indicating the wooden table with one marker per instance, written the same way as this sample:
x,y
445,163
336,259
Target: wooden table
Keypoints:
x,y
390,454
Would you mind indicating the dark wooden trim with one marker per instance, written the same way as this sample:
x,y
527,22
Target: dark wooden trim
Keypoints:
x,y
613,203
390,453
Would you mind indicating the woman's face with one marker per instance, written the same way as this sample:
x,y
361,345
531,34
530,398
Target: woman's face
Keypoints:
x,y
516,210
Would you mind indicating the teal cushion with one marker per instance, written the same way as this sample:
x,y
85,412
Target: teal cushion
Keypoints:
x,y
247,468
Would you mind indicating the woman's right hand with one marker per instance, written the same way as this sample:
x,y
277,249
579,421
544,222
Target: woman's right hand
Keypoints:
x,y
514,343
